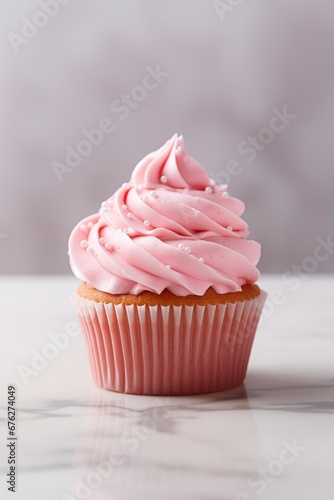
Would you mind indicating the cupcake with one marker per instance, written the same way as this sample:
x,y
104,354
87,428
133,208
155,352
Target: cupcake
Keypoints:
x,y
168,303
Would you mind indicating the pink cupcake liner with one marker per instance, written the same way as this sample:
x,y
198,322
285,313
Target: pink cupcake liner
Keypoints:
x,y
169,350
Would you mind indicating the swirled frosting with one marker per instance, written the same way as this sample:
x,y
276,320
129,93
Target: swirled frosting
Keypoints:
x,y
170,227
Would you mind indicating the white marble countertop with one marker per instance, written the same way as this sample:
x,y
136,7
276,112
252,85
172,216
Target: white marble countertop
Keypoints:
x,y
271,438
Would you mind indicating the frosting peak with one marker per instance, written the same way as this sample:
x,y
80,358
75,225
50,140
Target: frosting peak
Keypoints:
x,y
170,166
170,227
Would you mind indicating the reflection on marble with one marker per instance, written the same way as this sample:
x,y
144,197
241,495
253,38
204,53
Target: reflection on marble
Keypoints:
x,y
270,438
161,442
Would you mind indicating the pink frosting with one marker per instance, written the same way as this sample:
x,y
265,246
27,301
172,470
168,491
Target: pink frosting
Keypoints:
x,y
171,227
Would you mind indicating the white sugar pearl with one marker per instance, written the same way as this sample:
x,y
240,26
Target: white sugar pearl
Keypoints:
x,y
168,266
208,189
163,179
102,240
90,225
126,230
201,259
181,247
89,250
124,207
130,216
84,243
225,194
147,223
154,194
229,228
108,246
187,249
83,227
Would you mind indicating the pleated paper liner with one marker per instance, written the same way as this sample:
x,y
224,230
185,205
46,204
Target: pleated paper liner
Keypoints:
x,y
169,350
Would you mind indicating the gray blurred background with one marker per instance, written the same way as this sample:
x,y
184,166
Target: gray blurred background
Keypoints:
x,y
228,67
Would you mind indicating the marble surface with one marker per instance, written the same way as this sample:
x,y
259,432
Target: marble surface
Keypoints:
x,y
271,438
